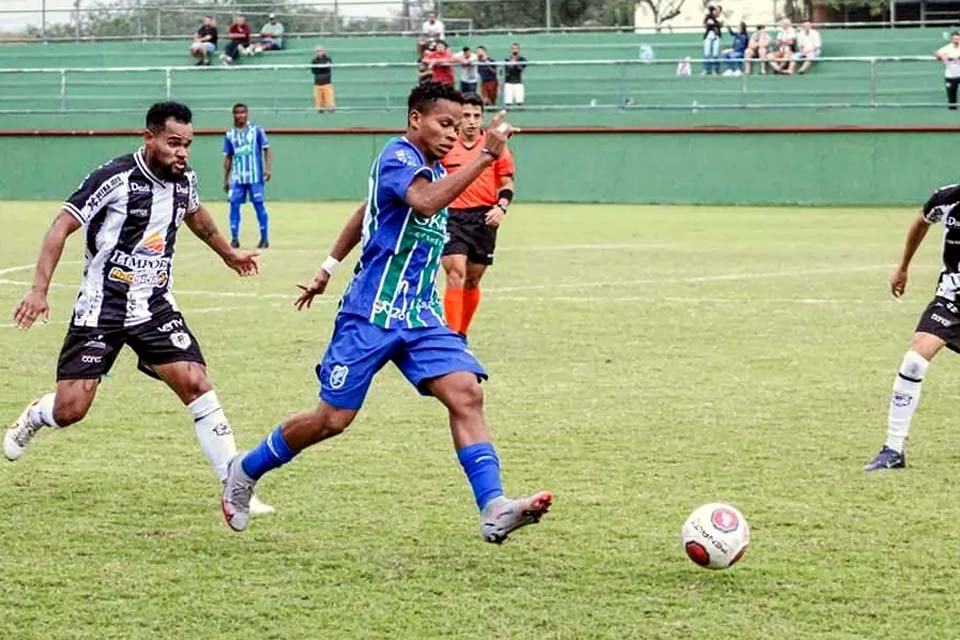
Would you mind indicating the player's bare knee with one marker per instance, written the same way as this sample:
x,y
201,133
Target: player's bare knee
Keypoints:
x,y
69,411
467,398
332,422
455,278
471,282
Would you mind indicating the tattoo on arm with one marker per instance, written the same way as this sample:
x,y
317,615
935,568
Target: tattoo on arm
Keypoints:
x,y
206,229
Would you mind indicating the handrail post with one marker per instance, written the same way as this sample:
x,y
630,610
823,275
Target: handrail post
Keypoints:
x,y
169,79
873,82
63,89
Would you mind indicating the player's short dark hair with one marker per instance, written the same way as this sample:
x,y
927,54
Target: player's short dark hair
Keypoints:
x,y
239,105
424,96
955,33
160,112
473,99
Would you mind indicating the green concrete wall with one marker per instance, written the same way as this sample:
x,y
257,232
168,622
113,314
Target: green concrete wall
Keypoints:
x,y
818,169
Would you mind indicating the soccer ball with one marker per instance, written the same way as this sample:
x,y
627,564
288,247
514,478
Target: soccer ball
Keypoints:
x,y
715,536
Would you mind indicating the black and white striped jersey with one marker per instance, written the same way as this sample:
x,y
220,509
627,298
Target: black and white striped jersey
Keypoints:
x,y
130,219
942,207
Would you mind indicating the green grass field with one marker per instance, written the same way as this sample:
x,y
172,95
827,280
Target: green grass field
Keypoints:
x,y
643,360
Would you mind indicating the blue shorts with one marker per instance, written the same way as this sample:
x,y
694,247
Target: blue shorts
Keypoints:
x,y
359,349
238,193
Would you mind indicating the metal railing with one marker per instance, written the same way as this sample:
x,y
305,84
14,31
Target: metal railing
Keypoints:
x,y
892,82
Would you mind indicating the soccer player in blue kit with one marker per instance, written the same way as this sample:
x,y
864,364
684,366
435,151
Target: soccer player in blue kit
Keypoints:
x,y
391,311
247,162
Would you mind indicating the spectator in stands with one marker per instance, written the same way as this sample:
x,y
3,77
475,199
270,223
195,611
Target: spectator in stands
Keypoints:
x,y
950,56
440,61
808,48
204,42
759,48
513,77
424,72
469,76
322,81
786,45
430,32
488,76
271,36
733,58
239,41
713,31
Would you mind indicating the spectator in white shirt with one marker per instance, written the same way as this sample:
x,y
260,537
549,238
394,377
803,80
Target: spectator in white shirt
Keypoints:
x,y
469,74
430,32
808,48
785,46
950,56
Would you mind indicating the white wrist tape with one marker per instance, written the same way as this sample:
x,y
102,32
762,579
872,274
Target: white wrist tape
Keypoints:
x,y
330,265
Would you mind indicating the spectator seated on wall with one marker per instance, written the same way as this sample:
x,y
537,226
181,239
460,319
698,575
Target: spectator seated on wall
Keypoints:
x,y
271,36
733,57
808,48
757,48
204,42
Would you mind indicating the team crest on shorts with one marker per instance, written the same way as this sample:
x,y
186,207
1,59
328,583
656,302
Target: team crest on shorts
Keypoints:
x,y
724,520
180,340
338,376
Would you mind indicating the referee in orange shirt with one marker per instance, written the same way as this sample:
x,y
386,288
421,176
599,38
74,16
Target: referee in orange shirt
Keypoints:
x,y
474,217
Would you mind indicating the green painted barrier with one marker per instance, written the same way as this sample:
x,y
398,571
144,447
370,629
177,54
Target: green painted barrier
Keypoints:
x,y
699,168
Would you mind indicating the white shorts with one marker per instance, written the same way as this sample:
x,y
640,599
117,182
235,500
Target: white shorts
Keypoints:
x,y
512,93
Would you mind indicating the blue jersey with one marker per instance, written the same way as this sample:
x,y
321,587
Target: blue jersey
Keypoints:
x,y
394,284
246,146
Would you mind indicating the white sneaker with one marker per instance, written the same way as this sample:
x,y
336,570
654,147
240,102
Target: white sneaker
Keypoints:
x,y
20,434
503,515
728,72
237,493
259,508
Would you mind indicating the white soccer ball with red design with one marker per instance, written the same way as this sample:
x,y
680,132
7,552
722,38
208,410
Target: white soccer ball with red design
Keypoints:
x,y
715,536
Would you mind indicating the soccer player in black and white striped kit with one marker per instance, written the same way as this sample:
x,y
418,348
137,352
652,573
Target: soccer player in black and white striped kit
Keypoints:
x,y
130,210
939,323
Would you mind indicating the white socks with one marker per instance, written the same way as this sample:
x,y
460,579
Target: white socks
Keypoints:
x,y
42,412
213,432
906,396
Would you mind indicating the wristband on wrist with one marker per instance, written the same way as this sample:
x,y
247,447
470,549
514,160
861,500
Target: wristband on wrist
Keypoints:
x,y
502,208
330,265
505,194
490,153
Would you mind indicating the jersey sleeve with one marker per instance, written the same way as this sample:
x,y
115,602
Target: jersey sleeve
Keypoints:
x,y
262,139
504,166
398,168
96,191
193,200
227,146
940,203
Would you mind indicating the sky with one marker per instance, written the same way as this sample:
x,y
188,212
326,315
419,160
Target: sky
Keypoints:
x,y
14,14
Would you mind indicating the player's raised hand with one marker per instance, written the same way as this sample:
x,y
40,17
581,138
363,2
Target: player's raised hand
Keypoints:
x,y
246,263
32,306
898,282
497,134
315,288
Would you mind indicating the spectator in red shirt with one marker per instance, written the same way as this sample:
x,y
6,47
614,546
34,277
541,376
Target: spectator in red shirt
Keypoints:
x,y
239,41
440,62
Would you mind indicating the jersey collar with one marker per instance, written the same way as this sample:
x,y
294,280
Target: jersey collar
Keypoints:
x,y
141,160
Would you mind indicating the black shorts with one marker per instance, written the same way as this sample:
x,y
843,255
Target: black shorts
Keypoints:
x,y
471,236
90,353
942,319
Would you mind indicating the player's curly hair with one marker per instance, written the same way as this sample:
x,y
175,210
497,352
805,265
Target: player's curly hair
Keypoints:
x,y
425,95
160,112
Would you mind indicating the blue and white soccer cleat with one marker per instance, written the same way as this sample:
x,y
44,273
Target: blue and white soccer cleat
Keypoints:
x,y
887,459
503,515
237,492
20,434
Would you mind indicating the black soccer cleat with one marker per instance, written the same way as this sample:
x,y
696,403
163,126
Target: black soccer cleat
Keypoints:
x,y
887,459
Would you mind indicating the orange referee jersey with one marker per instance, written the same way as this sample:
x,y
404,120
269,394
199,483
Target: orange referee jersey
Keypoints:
x,y
482,192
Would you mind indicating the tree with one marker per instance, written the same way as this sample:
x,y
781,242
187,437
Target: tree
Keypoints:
x,y
663,10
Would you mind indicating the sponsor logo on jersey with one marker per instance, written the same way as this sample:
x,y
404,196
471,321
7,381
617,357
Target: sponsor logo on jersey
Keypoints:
x,y
91,359
140,187
124,259
180,340
182,189
724,520
142,277
338,376
153,244
139,213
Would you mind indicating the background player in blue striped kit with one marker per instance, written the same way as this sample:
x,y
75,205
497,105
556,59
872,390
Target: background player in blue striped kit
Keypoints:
x,y
247,162
391,312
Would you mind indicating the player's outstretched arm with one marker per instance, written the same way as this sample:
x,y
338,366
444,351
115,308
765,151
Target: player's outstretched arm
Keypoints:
x,y
246,263
428,198
34,303
915,235
349,238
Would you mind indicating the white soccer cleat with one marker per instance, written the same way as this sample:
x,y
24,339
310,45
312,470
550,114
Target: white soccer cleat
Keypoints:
x,y
503,515
237,493
20,434
259,508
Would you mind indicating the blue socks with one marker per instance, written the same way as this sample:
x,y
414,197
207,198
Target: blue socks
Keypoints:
x,y
234,220
261,210
482,466
273,452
